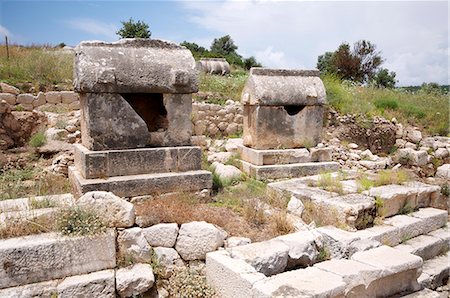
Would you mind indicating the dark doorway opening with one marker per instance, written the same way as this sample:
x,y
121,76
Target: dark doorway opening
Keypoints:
x,y
150,107
293,110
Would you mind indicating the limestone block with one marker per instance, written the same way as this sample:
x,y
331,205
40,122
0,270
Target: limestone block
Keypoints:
x,y
102,127
419,157
443,171
303,248
441,153
425,293
221,157
49,256
39,100
274,156
232,128
134,280
400,270
74,105
68,97
274,127
431,219
295,206
24,204
134,66
426,247
357,276
394,197
40,289
336,241
321,154
167,257
195,239
99,284
280,87
9,98
426,193
161,234
53,97
144,184
25,99
309,282
413,135
237,241
56,134
226,172
9,89
116,211
444,234
385,234
267,257
213,66
132,244
230,277
435,272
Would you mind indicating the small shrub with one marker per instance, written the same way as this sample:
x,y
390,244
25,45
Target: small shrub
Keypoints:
x,y
38,139
445,190
61,124
77,221
281,225
324,254
41,204
406,209
379,204
364,183
187,283
386,177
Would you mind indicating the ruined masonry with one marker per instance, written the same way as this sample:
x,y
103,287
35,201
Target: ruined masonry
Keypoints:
x,y
283,117
136,102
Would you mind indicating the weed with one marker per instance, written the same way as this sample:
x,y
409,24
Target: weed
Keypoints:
x,y
50,184
324,254
61,124
364,183
281,225
187,283
234,160
405,238
386,103
386,177
221,88
19,108
77,221
23,227
12,184
329,183
126,259
41,203
406,209
236,135
253,211
38,139
379,205
445,190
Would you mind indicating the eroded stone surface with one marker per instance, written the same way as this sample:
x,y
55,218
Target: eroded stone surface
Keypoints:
x,y
134,280
164,235
98,284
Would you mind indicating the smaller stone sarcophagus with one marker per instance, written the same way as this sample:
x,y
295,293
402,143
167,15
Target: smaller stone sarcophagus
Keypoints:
x,y
214,66
283,108
136,102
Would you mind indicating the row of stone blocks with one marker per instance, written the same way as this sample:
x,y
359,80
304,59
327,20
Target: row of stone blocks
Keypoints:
x,y
29,101
352,209
142,171
359,267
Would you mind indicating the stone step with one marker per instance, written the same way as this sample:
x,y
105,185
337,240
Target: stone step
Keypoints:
x,y
428,246
267,172
400,228
110,163
95,284
435,272
45,257
145,184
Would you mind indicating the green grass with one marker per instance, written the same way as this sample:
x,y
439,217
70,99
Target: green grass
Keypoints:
x,y
38,139
222,88
427,111
42,67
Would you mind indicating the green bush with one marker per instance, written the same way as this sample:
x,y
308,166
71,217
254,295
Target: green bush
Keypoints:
x,y
38,139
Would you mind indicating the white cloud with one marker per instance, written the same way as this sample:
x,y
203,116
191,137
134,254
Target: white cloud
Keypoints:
x,y
271,58
102,29
4,31
413,35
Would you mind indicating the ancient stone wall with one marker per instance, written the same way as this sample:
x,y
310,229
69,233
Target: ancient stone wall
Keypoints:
x,y
29,102
215,120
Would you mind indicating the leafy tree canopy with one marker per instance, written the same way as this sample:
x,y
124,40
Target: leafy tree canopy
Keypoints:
x,y
132,29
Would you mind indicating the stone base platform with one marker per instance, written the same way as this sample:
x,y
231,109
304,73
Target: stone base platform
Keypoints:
x,y
143,184
293,170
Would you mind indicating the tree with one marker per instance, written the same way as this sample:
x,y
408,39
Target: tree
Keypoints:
x,y
359,64
251,62
223,45
431,88
384,79
132,29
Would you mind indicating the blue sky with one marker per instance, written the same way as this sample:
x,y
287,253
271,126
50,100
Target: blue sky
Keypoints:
x,y
412,35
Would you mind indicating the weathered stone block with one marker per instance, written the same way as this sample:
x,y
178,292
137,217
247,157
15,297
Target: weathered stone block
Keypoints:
x,y
53,97
122,121
164,235
134,280
134,66
144,184
274,156
303,248
9,98
395,198
275,127
268,257
25,99
44,257
100,284
282,87
426,247
109,163
45,289
68,97
309,282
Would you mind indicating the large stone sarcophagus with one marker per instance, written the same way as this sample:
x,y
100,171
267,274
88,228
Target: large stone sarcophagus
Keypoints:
x,y
136,102
283,108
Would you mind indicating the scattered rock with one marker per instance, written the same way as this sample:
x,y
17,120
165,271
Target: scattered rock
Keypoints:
x,y
195,239
164,235
116,211
132,244
413,135
221,157
443,171
61,163
134,280
226,172
9,89
237,241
